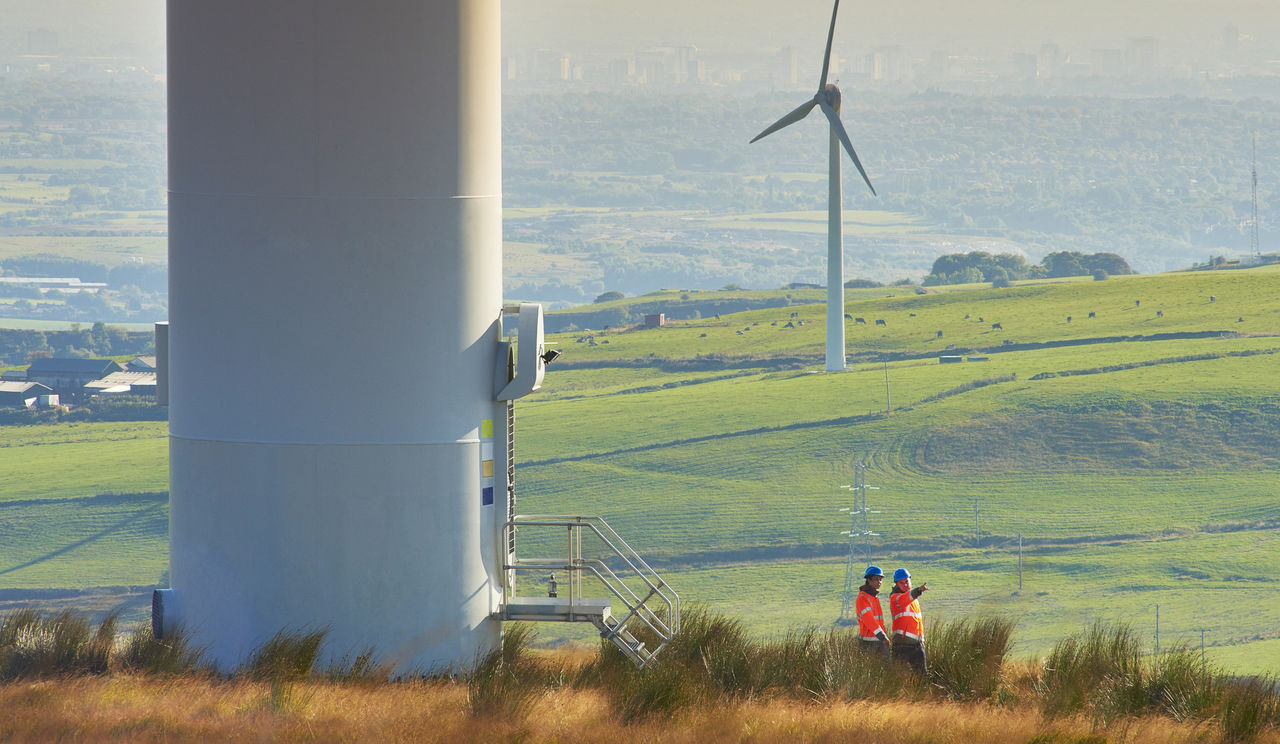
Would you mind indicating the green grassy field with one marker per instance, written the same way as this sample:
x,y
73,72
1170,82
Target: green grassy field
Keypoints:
x,y
109,251
1146,477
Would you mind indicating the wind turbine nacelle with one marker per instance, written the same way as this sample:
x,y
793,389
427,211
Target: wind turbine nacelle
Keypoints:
x,y
832,93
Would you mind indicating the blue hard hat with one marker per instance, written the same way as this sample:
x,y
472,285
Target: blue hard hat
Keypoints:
x,y
901,574
873,571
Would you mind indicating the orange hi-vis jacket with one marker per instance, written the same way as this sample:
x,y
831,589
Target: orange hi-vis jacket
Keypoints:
x,y
907,620
870,618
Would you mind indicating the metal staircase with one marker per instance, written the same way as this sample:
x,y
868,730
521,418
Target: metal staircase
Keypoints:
x,y
651,617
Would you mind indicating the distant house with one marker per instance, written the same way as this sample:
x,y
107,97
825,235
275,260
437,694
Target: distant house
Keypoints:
x,y
68,377
141,364
22,394
655,321
124,383
13,375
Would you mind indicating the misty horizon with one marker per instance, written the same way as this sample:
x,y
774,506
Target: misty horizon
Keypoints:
x,y
1186,30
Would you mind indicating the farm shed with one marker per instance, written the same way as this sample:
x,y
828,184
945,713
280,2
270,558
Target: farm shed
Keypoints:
x,y
124,383
141,364
21,394
69,376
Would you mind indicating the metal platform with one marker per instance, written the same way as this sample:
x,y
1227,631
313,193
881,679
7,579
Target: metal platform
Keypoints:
x,y
556,609
652,609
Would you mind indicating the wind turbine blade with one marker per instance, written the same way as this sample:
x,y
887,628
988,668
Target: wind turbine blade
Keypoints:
x,y
838,127
799,113
826,58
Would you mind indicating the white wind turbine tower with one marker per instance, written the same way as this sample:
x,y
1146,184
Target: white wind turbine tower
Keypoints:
x,y
828,99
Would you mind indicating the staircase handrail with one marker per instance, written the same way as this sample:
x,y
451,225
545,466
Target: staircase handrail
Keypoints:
x,y
637,607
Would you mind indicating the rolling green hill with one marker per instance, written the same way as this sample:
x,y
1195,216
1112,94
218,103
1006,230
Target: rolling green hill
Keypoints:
x,y
1136,454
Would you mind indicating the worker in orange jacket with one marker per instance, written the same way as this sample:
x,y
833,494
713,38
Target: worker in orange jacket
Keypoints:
x,y
870,617
908,622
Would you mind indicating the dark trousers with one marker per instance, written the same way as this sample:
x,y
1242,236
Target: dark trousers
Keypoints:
x,y
910,652
875,648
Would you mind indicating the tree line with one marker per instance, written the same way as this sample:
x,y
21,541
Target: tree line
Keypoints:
x,y
1002,268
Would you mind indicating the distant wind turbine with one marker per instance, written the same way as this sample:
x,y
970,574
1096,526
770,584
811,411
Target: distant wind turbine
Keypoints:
x,y
828,99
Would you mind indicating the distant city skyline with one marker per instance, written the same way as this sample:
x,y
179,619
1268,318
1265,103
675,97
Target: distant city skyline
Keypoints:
x,y
1185,29
977,26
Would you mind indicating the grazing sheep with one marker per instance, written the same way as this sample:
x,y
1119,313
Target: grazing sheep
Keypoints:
x,y
1092,314
1159,313
774,323
939,334
1006,342
997,327
1240,319
794,315
739,333
799,322
966,316
980,319
911,315
863,321
1212,298
847,316
789,325
1137,303
1068,318
880,321
702,335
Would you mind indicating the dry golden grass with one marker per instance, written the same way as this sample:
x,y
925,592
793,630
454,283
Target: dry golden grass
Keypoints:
x,y
204,709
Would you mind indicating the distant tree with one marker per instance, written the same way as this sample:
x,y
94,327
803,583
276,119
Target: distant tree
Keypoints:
x,y
1072,263
1064,263
101,340
862,284
1108,262
82,196
960,268
609,296
731,288
1100,275
38,354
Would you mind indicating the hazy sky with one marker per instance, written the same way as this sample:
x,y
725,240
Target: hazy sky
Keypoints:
x,y
723,27
1000,24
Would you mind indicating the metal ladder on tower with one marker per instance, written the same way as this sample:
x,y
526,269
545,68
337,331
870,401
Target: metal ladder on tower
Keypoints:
x,y
651,617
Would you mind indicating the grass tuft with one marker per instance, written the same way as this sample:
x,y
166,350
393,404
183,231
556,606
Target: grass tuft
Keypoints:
x,y
967,656
1248,707
172,655
504,682
1098,669
35,645
289,655
363,668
